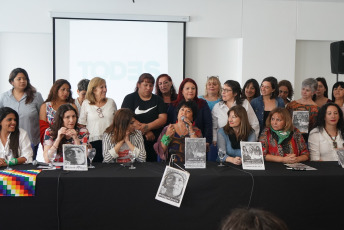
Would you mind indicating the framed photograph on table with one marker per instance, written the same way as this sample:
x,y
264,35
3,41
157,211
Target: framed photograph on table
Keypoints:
x,y
74,157
252,155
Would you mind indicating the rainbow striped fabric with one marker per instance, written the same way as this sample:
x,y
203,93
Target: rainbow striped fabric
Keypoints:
x,y
18,182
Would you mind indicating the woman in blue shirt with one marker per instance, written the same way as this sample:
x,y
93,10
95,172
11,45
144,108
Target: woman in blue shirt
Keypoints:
x,y
26,101
237,129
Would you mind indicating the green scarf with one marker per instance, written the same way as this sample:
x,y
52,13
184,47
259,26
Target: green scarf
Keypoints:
x,y
282,135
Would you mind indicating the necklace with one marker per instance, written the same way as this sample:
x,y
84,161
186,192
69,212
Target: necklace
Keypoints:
x,y
334,142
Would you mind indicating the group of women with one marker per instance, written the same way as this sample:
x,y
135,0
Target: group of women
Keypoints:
x,y
154,126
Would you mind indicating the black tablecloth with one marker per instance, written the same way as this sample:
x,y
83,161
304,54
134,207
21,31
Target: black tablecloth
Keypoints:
x,y
114,197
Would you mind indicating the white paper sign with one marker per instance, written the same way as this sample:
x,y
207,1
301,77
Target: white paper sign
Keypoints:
x,y
301,120
252,155
195,153
74,157
172,186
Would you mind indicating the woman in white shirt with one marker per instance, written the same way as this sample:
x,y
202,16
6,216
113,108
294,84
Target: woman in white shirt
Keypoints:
x,y
121,137
13,138
328,134
97,112
231,95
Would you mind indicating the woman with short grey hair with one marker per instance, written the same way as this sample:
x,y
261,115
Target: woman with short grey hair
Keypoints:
x,y
305,103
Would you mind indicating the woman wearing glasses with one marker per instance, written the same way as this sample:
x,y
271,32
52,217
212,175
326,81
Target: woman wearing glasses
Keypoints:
x,y
328,134
267,101
97,112
165,89
231,96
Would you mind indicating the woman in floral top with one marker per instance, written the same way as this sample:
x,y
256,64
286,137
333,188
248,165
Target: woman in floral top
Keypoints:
x,y
281,141
64,131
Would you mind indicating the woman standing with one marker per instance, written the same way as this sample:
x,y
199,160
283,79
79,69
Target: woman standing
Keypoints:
x,y
321,95
150,112
188,92
328,134
286,91
121,137
60,93
26,101
165,89
338,94
97,112
305,103
13,138
172,138
268,100
64,130
212,91
250,90
281,142
81,91
231,96
237,129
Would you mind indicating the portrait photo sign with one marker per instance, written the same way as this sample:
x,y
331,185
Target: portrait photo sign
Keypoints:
x,y
172,186
74,157
252,155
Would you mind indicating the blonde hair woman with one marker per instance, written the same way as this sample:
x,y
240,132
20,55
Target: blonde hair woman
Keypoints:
x,y
97,112
212,91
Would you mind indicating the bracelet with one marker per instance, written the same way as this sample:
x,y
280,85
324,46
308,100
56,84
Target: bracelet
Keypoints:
x,y
54,146
165,139
12,162
190,134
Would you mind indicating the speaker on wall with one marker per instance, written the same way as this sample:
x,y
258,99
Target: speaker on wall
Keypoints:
x,y
337,57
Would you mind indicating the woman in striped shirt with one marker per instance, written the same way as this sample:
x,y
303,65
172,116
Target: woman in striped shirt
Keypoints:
x,y
121,137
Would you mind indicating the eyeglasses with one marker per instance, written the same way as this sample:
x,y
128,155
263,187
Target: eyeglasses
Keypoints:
x,y
100,113
226,90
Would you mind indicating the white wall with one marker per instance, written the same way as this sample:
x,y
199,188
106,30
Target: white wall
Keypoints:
x,y
269,30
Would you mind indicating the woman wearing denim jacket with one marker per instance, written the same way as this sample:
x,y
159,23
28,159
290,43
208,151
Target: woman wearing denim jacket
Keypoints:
x,y
267,101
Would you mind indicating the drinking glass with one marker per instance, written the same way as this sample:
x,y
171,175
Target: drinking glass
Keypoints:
x,y
132,159
8,157
222,154
91,154
51,156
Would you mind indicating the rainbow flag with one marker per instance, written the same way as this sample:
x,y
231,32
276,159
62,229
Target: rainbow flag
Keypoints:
x,y
18,182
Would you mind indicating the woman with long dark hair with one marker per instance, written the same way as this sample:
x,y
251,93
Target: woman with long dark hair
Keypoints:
x,y
165,89
250,89
60,93
121,137
328,135
26,101
321,95
13,138
237,129
64,130
267,101
338,94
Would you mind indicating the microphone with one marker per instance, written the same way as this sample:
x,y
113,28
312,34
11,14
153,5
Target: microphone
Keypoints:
x,y
183,119
35,162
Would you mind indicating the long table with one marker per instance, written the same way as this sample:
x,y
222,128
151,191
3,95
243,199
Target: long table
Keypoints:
x,y
114,197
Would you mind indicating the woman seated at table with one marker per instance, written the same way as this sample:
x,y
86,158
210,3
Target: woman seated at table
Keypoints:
x,y
281,142
13,138
328,135
60,93
172,137
237,129
121,137
64,131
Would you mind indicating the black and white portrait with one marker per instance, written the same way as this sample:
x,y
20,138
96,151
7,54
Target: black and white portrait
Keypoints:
x,y
195,153
74,157
252,155
340,153
301,120
172,186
